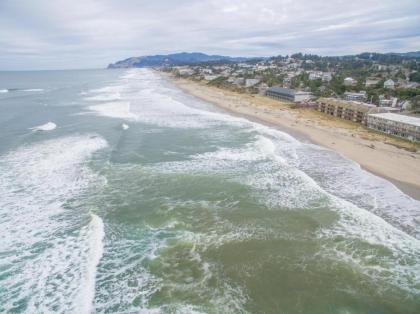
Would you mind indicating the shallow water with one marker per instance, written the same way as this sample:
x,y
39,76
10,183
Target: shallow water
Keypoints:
x,y
144,199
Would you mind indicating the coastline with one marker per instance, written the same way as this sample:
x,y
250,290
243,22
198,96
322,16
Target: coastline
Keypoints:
x,y
392,159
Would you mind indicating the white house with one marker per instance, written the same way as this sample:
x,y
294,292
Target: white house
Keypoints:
x,y
239,81
348,81
371,82
251,82
314,76
326,76
390,84
211,77
186,72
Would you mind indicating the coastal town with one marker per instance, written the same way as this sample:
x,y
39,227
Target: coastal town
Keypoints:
x,y
381,92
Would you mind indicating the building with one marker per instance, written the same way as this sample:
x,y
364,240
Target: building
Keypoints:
x,y
412,85
344,109
396,124
211,77
239,81
405,105
185,72
326,77
387,109
402,83
287,94
348,81
251,82
384,102
314,76
390,84
370,82
360,96
262,88
206,71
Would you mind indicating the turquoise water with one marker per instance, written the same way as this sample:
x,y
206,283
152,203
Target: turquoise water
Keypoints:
x,y
121,194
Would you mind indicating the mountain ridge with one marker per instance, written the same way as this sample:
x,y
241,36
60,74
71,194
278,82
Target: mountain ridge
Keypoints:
x,y
194,58
182,58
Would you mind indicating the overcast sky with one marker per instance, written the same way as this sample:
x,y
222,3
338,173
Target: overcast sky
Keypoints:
x,y
65,34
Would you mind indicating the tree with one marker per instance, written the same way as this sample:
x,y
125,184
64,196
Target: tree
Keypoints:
x,y
415,77
416,104
336,85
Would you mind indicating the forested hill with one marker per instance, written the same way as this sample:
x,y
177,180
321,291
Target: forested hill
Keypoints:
x,y
183,58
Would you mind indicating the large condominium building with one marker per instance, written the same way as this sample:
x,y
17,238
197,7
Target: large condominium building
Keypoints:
x,y
287,94
396,124
349,110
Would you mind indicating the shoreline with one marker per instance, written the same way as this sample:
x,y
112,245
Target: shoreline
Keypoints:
x,y
386,157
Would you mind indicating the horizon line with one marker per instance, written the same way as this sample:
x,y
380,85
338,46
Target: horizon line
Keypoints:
x,y
231,56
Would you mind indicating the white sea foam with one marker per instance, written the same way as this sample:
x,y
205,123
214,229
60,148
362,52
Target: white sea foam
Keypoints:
x,y
345,179
127,257
282,174
356,223
49,252
105,97
152,103
21,90
49,126
106,93
114,110
108,89
33,90
134,74
83,302
277,182
357,227
125,126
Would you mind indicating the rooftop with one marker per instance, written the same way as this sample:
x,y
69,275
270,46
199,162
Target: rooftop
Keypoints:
x,y
347,103
355,93
287,91
398,118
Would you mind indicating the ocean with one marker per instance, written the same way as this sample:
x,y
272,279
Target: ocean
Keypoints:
x,y
119,193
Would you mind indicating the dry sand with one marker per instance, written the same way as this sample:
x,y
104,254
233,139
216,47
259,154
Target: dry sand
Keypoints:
x,y
394,159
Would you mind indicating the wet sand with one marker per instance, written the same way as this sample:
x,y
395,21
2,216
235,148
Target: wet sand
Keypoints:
x,y
393,159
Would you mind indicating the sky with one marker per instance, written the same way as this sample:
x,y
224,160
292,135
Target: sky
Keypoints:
x,y
74,34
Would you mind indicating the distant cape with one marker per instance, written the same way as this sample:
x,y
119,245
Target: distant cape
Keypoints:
x,y
183,58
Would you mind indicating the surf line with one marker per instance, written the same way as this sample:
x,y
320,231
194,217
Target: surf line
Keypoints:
x,y
86,294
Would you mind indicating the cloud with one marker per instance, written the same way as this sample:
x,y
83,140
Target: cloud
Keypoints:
x,y
37,34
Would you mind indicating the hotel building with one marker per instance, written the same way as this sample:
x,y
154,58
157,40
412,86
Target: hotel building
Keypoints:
x,y
407,127
348,110
287,94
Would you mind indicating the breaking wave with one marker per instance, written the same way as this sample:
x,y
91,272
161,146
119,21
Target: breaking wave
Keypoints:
x,y
50,245
49,126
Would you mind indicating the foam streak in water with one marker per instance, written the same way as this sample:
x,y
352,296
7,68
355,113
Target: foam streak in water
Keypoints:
x,y
49,126
96,234
49,247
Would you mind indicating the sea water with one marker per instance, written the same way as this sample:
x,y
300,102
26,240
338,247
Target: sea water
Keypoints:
x,y
121,194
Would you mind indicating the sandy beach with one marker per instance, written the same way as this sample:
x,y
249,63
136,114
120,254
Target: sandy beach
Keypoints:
x,y
396,160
